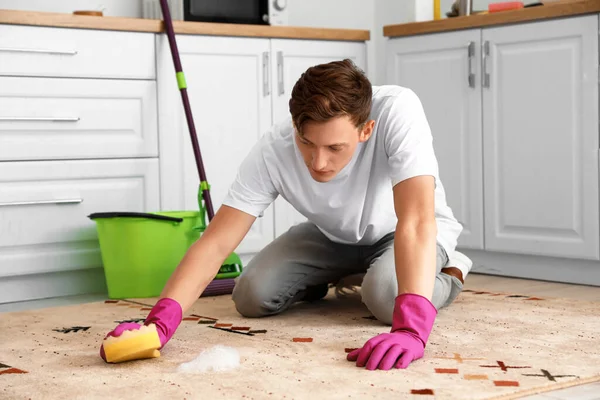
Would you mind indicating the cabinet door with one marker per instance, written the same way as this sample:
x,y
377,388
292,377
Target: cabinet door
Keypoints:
x,y
67,118
44,208
229,94
443,71
541,138
290,58
75,53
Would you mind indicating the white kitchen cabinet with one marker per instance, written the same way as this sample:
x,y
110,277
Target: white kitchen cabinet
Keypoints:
x,y
76,53
230,96
528,183
540,131
443,71
44,208
65,118
78,135
238,87
290,58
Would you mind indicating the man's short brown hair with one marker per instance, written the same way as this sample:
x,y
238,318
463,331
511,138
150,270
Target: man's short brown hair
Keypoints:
x,y
331,90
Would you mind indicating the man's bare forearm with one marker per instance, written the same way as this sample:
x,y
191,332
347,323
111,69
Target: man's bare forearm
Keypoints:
x,y
196,270
204,258
415,257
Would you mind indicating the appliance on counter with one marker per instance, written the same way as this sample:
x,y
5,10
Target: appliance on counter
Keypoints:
x,y
460,8
259,12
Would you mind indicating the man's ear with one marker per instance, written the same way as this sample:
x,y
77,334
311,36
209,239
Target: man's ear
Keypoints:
x,y
366,131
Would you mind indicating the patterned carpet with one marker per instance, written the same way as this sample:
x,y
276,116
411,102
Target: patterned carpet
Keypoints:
x,y
485,346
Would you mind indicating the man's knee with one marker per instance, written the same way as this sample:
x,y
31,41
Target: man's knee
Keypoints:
x,y
447,287
380,288
249,297
252,297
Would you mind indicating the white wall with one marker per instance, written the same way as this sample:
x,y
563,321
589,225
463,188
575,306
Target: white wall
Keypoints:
x,y
478,5
341,14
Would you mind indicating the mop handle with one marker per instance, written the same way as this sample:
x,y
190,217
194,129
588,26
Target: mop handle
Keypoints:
x,y
186,105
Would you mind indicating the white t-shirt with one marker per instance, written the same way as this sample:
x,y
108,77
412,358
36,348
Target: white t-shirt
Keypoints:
x,y
357,205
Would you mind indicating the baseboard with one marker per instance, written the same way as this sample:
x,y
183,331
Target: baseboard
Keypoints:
x,y
59,284
564,270
91,281
55,284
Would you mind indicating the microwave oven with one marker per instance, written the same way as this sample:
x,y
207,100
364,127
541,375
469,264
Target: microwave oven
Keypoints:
x,y
259,12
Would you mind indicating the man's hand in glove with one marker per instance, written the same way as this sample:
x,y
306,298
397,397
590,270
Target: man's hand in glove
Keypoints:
x,y
412,322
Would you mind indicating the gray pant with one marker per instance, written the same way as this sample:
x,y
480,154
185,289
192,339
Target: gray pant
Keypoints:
x,y
302,257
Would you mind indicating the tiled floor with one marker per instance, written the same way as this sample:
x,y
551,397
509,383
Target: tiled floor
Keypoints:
x,y
474,281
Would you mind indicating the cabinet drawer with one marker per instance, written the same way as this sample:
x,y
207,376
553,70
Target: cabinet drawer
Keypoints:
x,y
44,207
59,118
67,52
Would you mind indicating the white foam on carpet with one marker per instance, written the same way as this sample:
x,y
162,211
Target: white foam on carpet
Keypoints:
x,y
217,358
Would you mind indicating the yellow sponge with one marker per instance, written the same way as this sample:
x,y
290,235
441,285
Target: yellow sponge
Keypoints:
x,y
132,345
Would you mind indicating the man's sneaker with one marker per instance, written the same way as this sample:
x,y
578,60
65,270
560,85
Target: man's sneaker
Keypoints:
x,y
314,293
349,285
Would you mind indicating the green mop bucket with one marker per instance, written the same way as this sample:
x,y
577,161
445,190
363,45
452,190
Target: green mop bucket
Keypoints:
x,y
140,251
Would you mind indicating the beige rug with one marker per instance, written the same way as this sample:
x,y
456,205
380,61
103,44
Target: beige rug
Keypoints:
x,y
485,346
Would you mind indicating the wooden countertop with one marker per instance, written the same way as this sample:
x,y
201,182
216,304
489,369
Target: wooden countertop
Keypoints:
x,y
547,11
17,17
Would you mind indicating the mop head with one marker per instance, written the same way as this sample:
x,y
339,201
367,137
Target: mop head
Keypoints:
x,y
133,345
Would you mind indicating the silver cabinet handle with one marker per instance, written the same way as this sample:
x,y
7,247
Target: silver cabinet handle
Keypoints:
x,y
266,83
471,74
485,76
280,87
18,50
29,203
52,119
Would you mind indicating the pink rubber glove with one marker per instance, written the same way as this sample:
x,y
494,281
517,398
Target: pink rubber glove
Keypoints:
x,y
411,325
166,315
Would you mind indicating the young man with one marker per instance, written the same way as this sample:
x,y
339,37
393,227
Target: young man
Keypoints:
x,y
358,162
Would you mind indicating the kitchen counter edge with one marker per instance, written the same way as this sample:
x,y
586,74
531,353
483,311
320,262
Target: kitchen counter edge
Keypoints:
x,y
545,12
63,20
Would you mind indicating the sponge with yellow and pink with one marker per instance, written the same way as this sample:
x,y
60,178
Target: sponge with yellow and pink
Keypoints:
x,y
133,344
131,341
